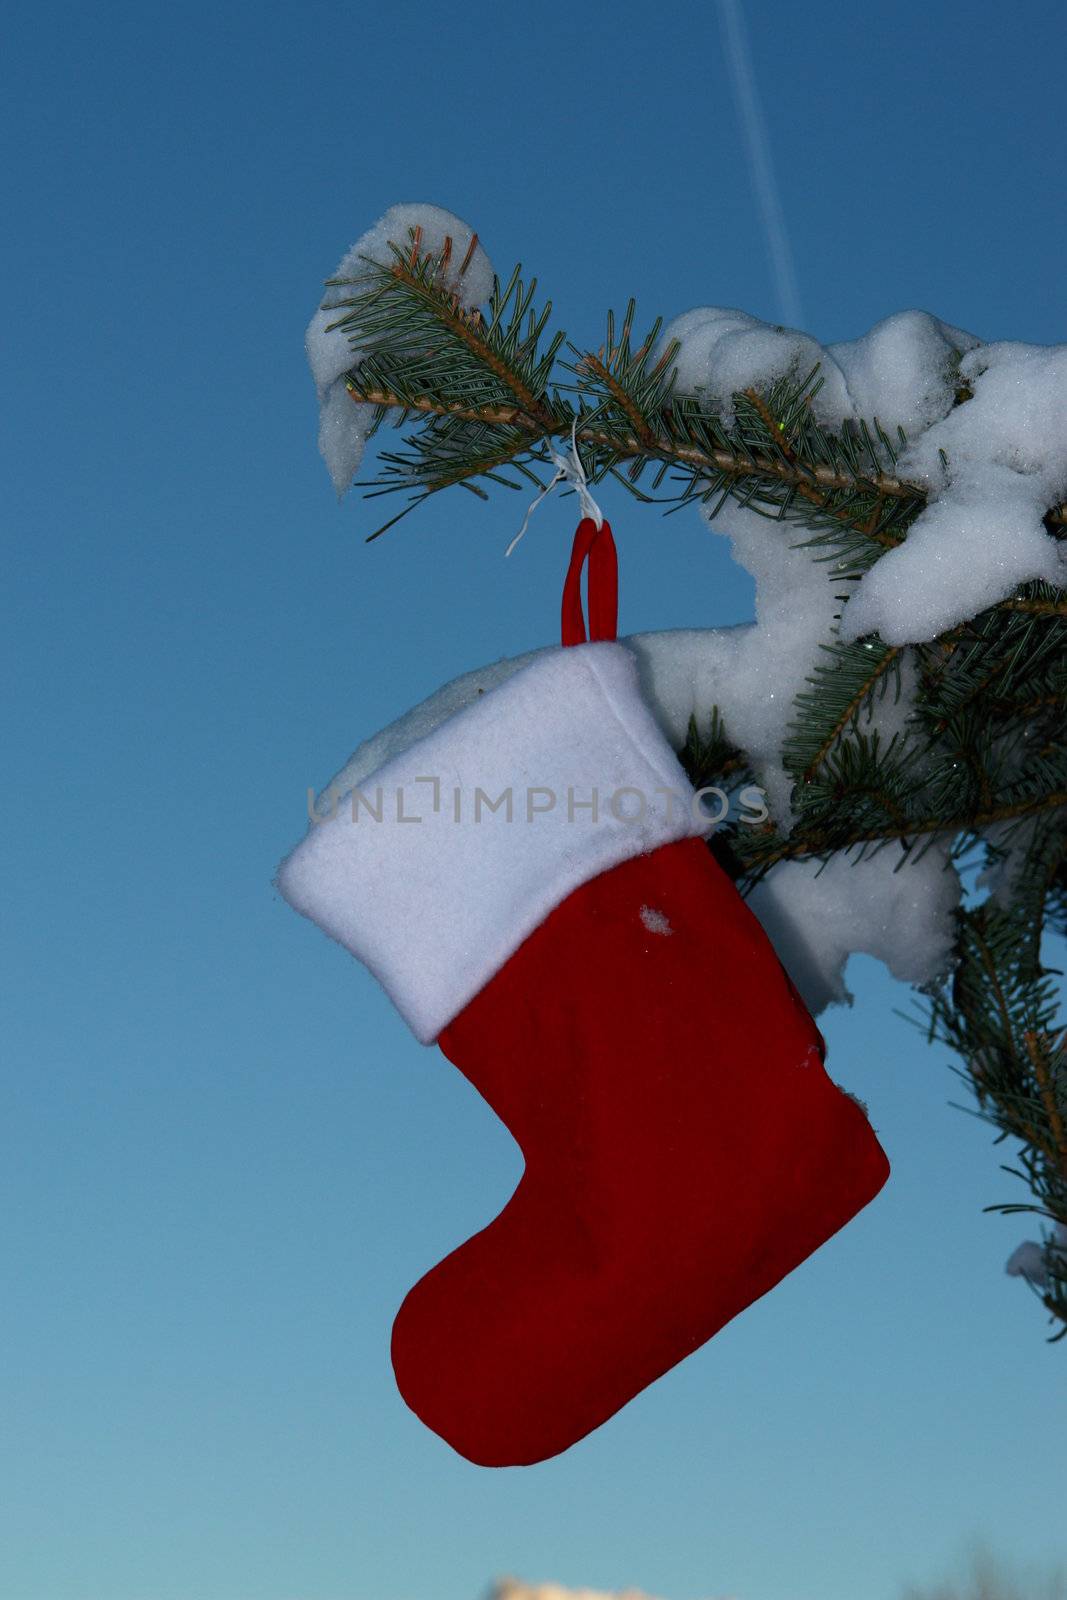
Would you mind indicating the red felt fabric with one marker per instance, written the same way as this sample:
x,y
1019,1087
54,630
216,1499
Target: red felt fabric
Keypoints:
x,y
597,547
684,1150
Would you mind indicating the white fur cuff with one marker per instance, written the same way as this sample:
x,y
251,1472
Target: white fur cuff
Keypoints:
x,y
445,859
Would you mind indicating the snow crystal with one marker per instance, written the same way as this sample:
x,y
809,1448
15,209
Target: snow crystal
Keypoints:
x,y
656,921
1029,1260
897,909
903,372
753,672
771,662
343,424
723,351
1011,841
343,429
981,534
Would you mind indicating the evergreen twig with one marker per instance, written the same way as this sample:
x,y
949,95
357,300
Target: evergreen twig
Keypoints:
x,y
981,762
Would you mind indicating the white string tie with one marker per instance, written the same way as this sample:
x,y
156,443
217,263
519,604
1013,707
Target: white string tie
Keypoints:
x,y
569,469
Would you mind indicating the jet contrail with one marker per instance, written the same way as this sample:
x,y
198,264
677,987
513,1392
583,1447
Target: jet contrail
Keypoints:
x,y
759,160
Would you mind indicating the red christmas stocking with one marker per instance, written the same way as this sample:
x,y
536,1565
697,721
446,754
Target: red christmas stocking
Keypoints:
x,y
581,958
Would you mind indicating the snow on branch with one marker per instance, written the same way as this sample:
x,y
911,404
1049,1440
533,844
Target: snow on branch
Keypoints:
x,y
901,695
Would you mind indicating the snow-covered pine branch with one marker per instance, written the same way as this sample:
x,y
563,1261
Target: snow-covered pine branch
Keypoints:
x,y
900,696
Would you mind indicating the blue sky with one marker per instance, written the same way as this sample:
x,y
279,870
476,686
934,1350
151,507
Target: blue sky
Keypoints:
x,y
224,1158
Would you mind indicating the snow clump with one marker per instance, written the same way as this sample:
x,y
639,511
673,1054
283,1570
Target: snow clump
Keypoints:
x,y
343,423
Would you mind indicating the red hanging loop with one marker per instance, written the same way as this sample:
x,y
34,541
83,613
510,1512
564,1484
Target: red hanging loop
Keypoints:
x,y
596,546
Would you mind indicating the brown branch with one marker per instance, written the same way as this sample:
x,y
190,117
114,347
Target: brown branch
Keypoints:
x,y
1035,1050
849,712
467,329
975,692
1038,608
541,425
489,462
981,775
622,397
824,843
804,488
1001,998
469,257
496,416
1026,708
626,444
886,801
1007,1107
